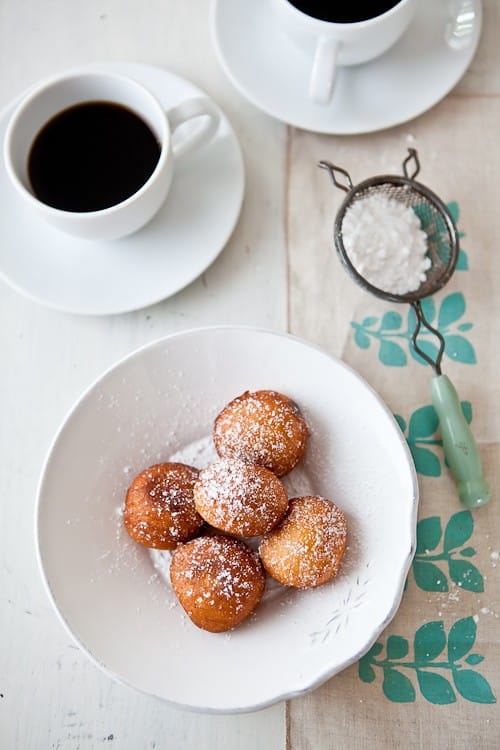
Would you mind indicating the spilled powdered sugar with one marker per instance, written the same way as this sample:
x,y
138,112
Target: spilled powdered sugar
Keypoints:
x,y
199,454
385,243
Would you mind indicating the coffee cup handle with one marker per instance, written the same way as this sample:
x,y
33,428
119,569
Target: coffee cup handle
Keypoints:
x,y
193,108
323,70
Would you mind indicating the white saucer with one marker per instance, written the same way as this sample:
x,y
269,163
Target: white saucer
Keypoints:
x,y
99,278
273,73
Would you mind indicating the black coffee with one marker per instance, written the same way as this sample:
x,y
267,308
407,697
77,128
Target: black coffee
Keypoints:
x,y
91,156
350,11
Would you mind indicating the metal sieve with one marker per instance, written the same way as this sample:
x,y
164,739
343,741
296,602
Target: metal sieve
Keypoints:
x,y
460,448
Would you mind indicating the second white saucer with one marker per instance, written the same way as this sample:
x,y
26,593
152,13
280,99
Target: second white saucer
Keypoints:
x,y
184,238
408,79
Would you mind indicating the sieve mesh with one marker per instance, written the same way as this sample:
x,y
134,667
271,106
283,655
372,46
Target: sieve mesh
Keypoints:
x,y
435,221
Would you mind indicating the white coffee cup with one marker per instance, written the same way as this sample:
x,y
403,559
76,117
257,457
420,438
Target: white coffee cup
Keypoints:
x,y
331,44
57,94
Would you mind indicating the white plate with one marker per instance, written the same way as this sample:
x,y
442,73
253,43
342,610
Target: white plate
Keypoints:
x,y
156,402
273,73
185,237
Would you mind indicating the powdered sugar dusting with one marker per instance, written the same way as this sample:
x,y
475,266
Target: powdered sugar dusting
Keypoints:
x,y
159,508
240,498
218,581
307,548
161,559
298,483
199,453
263,428
385,243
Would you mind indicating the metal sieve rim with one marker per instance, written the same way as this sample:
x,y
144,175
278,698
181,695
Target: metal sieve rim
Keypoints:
x,y
430,197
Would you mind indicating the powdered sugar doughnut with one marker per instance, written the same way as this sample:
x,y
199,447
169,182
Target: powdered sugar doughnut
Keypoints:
x,y
264,428
159,508
307,547
218,580
240,498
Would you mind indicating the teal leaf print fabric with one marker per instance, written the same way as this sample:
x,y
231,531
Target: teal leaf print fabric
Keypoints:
x,y
421,432
434,568
437,668
391,333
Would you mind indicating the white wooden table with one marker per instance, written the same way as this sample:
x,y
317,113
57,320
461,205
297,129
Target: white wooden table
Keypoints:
x,y
51,696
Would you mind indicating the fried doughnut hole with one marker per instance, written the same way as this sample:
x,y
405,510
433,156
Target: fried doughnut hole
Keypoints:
x,y
218,581
265,428
307,547
159,508
240,498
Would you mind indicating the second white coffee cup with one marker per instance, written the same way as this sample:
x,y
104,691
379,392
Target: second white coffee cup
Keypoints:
x,y
330,44
50,98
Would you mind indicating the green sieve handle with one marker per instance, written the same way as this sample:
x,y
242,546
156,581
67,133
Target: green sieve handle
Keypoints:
x,y
459,445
